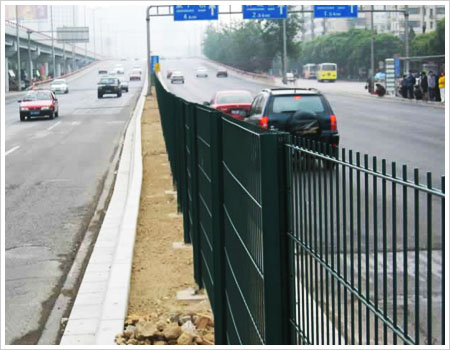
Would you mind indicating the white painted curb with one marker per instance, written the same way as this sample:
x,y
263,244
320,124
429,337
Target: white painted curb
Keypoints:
x,y
100,307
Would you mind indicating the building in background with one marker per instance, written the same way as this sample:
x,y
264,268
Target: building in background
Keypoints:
x,y
422,19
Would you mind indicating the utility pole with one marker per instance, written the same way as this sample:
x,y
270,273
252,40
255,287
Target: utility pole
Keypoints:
x,y
18,49
149,70
406,37
372,54
53,43
284,58
85,44
30,69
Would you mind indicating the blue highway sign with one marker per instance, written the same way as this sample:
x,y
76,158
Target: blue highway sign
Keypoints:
x,y
264,11
153,60
195,12
335,11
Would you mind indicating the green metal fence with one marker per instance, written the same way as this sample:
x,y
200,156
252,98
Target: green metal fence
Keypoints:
x,y
297,247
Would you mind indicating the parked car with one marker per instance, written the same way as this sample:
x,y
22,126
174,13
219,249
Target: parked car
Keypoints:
x,y
201,72
38,103
177,76
236,103
124,85
302,112
59,85
109,85
222,72
102,71
135,75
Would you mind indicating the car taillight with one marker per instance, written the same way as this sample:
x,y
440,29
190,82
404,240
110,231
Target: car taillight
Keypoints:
x,y
264,122
333,122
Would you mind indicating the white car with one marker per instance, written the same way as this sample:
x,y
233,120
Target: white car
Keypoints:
x,y
177,76
201,72
59,85
290,78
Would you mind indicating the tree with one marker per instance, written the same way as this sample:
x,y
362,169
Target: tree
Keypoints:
x,y
432,43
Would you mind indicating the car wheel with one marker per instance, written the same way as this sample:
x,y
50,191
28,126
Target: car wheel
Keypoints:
x,y
51,115
22,117
119,94
57,114
126,90
99,95
67,91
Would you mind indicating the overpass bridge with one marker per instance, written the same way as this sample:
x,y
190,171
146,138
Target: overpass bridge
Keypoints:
x,y
35,56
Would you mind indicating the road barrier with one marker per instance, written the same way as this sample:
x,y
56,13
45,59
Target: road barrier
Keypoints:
x,y
295,246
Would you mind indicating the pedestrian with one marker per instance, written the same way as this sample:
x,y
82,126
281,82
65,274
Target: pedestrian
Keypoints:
x,y
442,86
418,92
403,88
437,92
431,86
410,82
424,85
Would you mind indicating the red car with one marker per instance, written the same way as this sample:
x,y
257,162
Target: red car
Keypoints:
x,y
39,103
135,75
236,103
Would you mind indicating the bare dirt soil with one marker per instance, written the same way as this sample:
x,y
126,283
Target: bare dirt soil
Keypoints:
x,y
159,271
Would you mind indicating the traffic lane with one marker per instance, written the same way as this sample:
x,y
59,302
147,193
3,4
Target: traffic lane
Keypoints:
x,y
82,94
53,182
200,90
406,133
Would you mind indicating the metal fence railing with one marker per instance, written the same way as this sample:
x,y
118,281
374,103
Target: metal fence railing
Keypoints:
x,y
366,250
294,246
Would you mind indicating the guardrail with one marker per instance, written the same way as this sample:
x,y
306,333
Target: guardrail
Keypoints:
x,y
293,251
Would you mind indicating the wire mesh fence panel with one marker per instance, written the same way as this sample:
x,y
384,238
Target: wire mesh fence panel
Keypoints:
x,y
366,250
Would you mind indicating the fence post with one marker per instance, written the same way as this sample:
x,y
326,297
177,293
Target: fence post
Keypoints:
x,y
194,191
276,302
218,230
183,171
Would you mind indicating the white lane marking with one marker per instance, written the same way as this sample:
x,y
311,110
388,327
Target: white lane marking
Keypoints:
x,y
12,150
76,123
53,126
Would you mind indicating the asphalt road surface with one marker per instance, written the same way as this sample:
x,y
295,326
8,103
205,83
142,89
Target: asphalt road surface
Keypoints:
x,y
55,170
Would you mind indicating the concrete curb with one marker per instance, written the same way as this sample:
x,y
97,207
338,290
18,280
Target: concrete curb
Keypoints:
x,y
101,304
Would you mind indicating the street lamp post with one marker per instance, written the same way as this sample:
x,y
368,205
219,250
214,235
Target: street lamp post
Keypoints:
x,y
149,68
372,54
18,49
284,63
53,43
406,14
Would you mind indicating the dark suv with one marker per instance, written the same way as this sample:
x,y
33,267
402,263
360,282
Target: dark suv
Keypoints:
x,y
109,85
302,112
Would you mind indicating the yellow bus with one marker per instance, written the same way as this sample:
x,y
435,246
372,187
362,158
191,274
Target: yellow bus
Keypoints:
x,y
327,71
309,71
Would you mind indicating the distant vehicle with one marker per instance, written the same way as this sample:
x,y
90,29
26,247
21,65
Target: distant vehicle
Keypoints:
x,y
119,70
290,78
222,72
124,85
109,85
327,71
102,71
177,76
135,75
169,73
309,71
38,103
201,72
236,103
302,112
59,85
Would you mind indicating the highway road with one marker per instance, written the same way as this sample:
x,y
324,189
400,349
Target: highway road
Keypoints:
x,y
55,175
411,134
